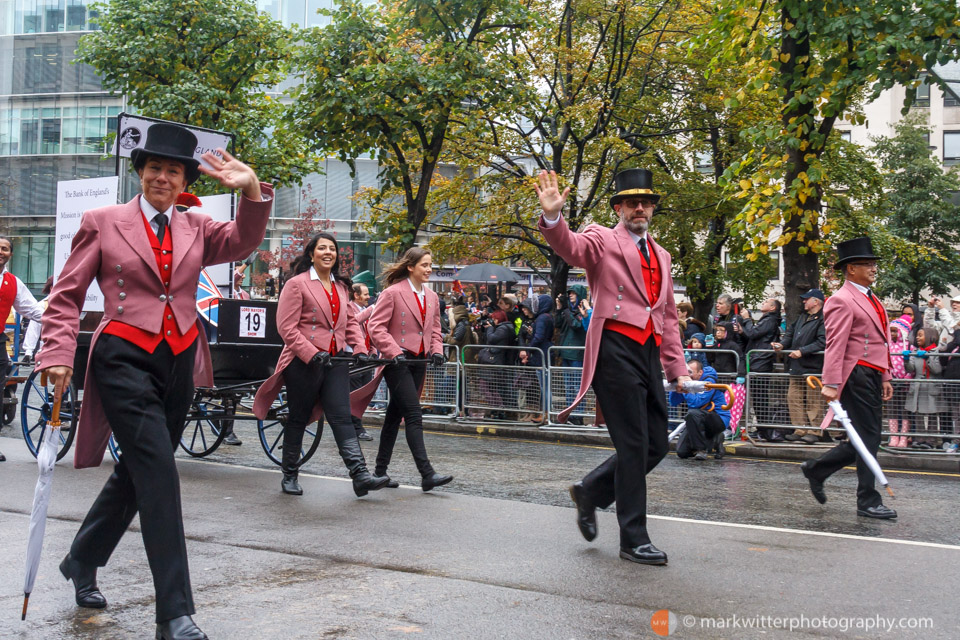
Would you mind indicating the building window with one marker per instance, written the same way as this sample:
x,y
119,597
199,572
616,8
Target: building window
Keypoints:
x,y
44,16
951,148
922,99
950,95
73,129
845,136
704,162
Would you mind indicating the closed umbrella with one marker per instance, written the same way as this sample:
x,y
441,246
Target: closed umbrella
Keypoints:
x,y
46,459
841,414
486,272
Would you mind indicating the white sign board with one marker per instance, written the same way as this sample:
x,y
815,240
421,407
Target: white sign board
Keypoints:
x,y
218,208
253,322
133,134
73,198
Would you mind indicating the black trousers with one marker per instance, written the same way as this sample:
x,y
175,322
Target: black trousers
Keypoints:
x,y
702,428
628,383
404,382
145,398
862,400
305,383
356,382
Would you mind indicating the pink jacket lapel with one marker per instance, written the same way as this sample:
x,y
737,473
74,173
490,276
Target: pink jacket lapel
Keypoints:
x,y
632,257
410,299
864,304
183,237
133,233
320,295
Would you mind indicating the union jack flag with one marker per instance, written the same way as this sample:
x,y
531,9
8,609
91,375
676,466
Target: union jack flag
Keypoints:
x,y
208,298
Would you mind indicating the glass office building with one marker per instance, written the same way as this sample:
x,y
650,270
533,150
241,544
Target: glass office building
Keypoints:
x,y
54,116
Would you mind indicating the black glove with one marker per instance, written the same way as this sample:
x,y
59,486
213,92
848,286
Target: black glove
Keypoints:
x,y
436,359
400,359
322,358
26,359
361,359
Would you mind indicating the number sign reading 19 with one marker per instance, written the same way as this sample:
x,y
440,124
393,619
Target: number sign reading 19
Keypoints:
x,y
253,322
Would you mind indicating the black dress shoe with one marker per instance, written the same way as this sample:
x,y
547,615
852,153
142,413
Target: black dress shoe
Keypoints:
x,y
2,457
586,512
816,486
232,439
881,512
391,483
84,579
433,481
644,554
290,485
182,628
363,435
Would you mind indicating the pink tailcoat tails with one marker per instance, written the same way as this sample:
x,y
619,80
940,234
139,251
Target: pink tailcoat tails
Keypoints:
x,y
395,326
854,333
112,247
305,323
614,273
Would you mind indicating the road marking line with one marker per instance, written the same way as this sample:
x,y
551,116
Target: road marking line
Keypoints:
x,y
737,525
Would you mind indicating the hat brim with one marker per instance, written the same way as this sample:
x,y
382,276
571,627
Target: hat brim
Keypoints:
x,y
191,165
848,259
620,197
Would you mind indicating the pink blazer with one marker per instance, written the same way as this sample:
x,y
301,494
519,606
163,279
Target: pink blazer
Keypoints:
x,y
395,326
112,246
854,332
305,323
615,275
363,316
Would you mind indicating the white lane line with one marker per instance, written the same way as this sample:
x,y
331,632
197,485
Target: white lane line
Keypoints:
x,y
807,532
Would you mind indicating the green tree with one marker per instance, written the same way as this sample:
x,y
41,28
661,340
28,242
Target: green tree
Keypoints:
x,y
821,58
923,215
392,79
208,63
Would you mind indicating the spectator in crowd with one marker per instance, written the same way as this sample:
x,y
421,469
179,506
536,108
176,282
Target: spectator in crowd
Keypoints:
x,y
706,418
526,323
916,319
802,345
734,363
761,335
463,334
497,334
951,391
444,317
922,403
571,333
899,344
688,324
543,329
694,349
527,385
727,310
942,319
360,299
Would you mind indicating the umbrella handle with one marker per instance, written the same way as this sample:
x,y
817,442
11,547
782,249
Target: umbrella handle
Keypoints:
x,y
726,388
55,413
26,601
814,382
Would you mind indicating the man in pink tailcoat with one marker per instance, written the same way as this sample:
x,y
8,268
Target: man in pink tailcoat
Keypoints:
x,y
146,255
633,340
856,369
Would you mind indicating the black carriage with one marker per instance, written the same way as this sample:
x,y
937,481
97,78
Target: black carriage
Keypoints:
x,y
244,349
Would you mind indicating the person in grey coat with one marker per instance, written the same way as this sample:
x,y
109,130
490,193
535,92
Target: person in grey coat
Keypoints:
x,y
923,396
761,335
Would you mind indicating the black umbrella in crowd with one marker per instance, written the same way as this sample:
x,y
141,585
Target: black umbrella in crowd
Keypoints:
x,y
486,272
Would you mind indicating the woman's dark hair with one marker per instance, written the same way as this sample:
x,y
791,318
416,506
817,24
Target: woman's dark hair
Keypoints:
x,y
398,271
304,261
47,286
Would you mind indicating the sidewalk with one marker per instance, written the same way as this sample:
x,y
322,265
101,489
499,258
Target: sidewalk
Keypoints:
x,y
941,463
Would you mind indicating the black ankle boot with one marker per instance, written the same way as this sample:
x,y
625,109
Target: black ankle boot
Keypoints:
x,y
289,484
182,628
84,579
363,480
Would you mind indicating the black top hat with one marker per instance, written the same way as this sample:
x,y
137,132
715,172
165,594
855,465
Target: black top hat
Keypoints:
x,y
855,249
168,140
634,182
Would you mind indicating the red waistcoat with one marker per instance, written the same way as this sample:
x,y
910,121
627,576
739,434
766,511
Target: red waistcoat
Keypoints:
x,y
652,279
179,342
8,293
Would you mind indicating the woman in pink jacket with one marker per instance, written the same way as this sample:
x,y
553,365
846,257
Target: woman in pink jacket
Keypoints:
x,y
316,321
405,326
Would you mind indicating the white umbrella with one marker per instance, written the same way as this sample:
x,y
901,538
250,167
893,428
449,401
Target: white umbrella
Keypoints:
x,y
696,386
46,459
841,414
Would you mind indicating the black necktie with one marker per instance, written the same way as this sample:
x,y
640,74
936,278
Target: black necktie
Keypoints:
x,y
643,250
161,221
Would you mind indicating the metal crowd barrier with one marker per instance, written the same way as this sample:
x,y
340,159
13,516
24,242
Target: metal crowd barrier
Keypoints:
x,y
441,385
504,393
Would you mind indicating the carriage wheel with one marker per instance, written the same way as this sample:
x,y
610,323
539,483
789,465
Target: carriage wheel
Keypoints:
x,y
204,429
271,434
36,406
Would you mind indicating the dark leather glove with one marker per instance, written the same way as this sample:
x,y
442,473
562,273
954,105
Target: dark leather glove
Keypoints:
x,y
361,359
400,359
322,358
436,359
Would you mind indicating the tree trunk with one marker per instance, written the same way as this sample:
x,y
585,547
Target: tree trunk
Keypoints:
x,y
559,270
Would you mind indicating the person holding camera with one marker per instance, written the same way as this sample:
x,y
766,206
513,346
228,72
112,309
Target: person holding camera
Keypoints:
x,y
405,327
317,320
760,336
